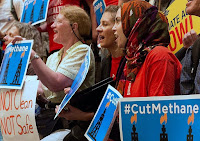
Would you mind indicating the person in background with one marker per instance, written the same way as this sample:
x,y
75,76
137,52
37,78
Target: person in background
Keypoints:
x,y
110,63
10,11
149,68
189,81
29,32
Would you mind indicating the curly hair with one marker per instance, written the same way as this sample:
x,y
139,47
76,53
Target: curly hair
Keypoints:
x,y
30,32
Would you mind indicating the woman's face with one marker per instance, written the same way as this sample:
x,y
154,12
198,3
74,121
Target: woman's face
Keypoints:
x,y
118,31
193,7
62,29
13,31
106,35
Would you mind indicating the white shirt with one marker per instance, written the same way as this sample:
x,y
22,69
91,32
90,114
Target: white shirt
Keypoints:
x,y
6,17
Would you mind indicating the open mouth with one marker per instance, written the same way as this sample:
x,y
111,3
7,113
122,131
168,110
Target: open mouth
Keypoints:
x,y
101,37
55,31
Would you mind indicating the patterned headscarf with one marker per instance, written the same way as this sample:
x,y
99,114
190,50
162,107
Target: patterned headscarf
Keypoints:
x,y
145,27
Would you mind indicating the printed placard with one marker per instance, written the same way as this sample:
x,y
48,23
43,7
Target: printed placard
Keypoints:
x,y
167,118
14,65
80,77
99,7
17,113
180,23
103,120
35,11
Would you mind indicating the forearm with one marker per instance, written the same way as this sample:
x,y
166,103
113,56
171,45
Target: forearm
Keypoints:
x,y
52,80
87,116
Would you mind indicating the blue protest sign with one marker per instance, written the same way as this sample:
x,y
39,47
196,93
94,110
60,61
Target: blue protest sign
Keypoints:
x,y
167,118
35,11
80,77
99,7
104,117
14,64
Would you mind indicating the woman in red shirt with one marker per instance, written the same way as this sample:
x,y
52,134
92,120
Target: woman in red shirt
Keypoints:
x,y
106,39
149,68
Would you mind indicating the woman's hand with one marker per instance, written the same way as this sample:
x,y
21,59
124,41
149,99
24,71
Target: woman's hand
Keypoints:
x,y
73,113
66,90
17,38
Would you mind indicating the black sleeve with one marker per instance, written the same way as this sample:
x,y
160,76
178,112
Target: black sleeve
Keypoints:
x,y
181,53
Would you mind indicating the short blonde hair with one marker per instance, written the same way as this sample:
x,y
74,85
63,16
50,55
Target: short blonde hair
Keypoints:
x,y
77,15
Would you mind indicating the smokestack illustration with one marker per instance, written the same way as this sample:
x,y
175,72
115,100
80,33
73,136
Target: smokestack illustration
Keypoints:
x,y
134,134
18,72
6,71
41,11
163,135
32,12
96,128
24,18
190,120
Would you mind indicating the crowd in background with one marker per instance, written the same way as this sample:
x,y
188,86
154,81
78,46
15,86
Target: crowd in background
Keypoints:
x,y
129,46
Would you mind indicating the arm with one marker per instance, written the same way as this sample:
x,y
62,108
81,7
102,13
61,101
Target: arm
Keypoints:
x,y
54,81
181,53
75,114
93,20
18,7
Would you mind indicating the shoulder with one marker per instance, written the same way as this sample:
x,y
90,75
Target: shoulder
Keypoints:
x,y
83,46
160,53
80,49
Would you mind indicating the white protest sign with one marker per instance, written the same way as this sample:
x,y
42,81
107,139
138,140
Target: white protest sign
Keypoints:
x,y
17,113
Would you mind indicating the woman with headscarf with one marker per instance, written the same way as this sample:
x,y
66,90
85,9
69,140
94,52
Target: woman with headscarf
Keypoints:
x,y
149,68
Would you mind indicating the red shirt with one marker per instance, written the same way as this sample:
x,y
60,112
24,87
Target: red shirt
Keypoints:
x,y
158,76
114,66
109,2
53,11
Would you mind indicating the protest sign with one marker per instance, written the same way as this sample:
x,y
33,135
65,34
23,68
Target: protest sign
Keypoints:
x,y
103,120
80,77
17,113
35,11
14,65
99,7
180,23
173,118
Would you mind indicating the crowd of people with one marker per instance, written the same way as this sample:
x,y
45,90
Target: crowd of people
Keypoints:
x,y
133,37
